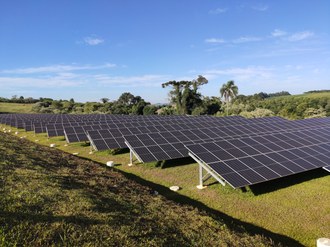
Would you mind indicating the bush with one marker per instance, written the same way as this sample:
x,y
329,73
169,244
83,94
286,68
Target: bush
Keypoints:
x,y
259,112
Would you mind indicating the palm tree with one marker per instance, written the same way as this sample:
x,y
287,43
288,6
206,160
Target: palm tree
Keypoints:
x,y
228,91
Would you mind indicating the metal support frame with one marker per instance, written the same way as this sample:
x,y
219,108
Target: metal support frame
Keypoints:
x,y
66,137
130,158
327,168
209,173
91,143
132,154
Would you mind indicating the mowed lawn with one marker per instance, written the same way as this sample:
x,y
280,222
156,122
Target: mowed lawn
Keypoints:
x,y
51,198
297,207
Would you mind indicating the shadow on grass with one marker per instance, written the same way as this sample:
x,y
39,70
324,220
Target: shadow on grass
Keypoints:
x,y
281,183
84,144
232,223
171,163
116,151
12,217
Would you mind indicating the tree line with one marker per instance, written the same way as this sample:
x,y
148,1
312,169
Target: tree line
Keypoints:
x,y
20,100
127,103
186,99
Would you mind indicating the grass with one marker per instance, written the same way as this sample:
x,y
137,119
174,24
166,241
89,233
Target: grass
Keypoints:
x,y
297,207
315,95
51,198
15,108
305,95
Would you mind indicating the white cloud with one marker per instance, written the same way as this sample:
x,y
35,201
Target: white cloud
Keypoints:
x,y
84,76
241,73
260,7
301,36
64,81
93,41
57,69
132,81
294,67
316,71
278,33
215,41
34,82
218,11
245,39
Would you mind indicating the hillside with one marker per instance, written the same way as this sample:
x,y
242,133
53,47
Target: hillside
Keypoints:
x,y
15,108
49,197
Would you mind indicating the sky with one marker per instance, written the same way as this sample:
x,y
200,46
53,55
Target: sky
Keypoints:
x,y
93,49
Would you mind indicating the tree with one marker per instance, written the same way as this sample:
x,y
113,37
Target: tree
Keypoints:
x,y
201,80
166,110
127,103
228,91
150,110
185,94
90,107
257,113
212,105
126,99
104,100
176,93
138,107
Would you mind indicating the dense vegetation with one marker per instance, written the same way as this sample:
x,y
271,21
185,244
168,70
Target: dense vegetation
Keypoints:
x,y
185,98
21,99
50,198
292,107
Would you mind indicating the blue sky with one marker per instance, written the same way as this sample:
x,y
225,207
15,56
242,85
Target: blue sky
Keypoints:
x,y
90,49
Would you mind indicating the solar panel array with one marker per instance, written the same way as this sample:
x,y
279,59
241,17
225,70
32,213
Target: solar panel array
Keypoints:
x,y
114,137
241,151
144,145
251,160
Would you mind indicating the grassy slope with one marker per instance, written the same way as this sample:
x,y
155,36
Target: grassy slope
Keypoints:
x,y
314,95
306,95
49,197
297,206
15,108
302,204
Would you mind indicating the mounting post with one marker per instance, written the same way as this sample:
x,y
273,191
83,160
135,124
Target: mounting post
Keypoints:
x,y
130,158
132,154
207,176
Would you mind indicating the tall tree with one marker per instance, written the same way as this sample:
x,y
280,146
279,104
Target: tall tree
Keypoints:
x,y
201,80
126,99
176,93
185,94
228,91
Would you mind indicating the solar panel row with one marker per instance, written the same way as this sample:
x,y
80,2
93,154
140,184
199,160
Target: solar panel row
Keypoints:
x,y
240,151
143,144
246,161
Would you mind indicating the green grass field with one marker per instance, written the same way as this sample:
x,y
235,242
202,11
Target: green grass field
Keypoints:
x,y
15,108
308,95
51,198
292,208
314,95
